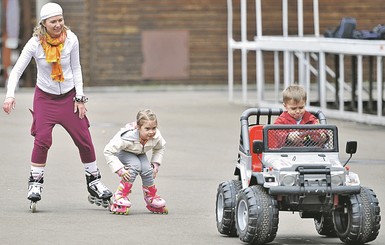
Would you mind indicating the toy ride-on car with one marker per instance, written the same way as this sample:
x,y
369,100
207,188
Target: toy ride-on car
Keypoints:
x,y
294,168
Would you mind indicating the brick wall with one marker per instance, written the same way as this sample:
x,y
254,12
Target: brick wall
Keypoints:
x,y
110,34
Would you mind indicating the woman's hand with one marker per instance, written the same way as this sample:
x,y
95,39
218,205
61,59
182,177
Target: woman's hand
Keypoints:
x,y
81,108
9,105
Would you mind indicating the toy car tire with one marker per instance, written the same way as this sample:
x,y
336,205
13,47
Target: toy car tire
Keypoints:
x,y
325,225
256,216
357,217
225,205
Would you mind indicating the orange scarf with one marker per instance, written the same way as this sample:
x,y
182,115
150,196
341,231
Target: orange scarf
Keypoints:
x,y
52,48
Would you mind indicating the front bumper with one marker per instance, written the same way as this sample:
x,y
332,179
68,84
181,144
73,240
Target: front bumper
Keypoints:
x,y
314,190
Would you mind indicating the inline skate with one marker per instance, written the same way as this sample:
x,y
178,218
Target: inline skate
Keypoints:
x,y
155,203
35,187
99,195
121,203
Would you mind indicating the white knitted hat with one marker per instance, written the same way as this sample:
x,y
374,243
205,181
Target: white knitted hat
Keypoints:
x,y
50,9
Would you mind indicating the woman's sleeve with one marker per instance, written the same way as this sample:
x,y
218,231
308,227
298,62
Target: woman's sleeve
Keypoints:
x,y
76,67
20,66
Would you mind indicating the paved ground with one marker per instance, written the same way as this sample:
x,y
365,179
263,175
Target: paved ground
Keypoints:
x,y
201,129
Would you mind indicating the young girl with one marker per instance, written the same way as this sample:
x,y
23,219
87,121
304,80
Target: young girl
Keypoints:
x,y
126,156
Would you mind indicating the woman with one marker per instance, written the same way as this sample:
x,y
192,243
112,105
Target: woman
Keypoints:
x,y
58,99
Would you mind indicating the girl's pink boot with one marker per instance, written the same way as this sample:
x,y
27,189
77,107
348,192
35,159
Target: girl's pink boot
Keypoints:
x,y
121,203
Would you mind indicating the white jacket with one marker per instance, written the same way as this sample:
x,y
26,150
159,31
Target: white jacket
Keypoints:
x,y
70,62
128,140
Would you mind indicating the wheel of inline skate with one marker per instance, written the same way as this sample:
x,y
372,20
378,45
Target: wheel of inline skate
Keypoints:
x,y
126,212
118,209
91,199
162,210
33,207
106,203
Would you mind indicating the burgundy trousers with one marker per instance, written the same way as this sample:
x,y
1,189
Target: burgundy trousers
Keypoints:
x,y
49,110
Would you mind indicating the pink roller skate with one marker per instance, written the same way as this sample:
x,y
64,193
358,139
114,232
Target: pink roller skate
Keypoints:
x,y
121,203
155,203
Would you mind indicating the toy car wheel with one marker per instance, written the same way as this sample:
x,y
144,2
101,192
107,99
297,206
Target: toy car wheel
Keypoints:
x,y
357,217
225,205
256,216
324,225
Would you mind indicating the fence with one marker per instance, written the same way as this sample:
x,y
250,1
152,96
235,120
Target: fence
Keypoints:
x,y
343,77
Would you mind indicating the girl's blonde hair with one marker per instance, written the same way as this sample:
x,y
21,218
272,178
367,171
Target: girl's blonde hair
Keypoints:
x,y
145,115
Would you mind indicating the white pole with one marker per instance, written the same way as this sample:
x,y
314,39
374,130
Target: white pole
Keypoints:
x,y
307,75
300,17
244,20
301,63
341,82
285,18
322,80
286,54
244,49
258,14
276,76
260,76
379,86
359,84
316,17
230,59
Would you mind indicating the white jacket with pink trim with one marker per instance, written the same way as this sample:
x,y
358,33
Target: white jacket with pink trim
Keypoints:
x,y
127,139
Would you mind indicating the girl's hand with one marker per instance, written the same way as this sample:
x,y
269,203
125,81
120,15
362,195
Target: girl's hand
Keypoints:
x,y
124,174
155,167
9,105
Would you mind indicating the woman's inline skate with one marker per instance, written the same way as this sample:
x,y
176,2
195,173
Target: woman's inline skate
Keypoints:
x,y
99,194
35,187
155,203
121,204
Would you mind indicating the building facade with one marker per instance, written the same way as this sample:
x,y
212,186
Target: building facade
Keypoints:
x,y
133,42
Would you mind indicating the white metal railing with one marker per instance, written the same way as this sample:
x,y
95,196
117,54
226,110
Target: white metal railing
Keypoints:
x,y
351,101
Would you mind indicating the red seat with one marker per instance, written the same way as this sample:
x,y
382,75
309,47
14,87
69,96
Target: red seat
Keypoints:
x,y
255,133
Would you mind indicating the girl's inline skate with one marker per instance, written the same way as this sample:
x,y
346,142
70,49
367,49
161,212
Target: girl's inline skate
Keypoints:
x,y
155,203
121,203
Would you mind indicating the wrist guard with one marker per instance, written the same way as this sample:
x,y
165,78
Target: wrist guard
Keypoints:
x,y
80,99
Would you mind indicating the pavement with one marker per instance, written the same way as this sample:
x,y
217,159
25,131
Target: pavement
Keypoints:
x,y
202,131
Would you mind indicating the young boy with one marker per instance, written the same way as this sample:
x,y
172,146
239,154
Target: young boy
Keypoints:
x,y
294,101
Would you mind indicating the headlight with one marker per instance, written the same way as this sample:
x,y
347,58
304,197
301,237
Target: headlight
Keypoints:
x,y
336,180
288,180
352,179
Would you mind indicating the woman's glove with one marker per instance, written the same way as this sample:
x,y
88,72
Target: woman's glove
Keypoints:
x,y
155,167
124,174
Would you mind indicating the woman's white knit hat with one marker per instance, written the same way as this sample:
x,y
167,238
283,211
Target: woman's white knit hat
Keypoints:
x,y
50,9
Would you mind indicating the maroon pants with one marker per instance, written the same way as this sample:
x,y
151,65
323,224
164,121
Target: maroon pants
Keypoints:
x,y
49,110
